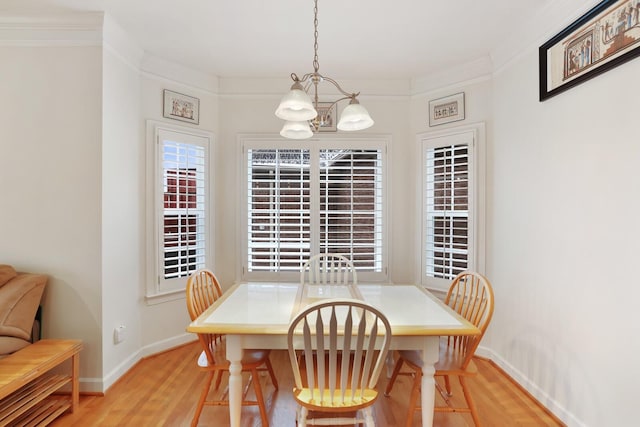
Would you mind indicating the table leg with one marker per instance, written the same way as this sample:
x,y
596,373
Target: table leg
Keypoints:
x,y
234,356
389,363
430,354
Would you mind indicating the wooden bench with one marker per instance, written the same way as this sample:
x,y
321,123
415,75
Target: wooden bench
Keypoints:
x,y
27,385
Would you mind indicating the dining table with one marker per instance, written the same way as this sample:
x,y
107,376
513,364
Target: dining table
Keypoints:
x,y
258,314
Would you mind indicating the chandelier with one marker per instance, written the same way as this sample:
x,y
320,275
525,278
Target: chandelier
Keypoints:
x,y
301,112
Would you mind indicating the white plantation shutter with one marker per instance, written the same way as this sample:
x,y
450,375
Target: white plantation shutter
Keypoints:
x,y
448,206
351,206
313,199
279,209
182,204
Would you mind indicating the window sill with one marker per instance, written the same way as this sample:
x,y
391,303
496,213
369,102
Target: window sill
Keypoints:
x,y
163,297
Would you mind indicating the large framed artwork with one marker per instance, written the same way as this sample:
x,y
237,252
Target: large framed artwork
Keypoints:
x,y
181,107
605,37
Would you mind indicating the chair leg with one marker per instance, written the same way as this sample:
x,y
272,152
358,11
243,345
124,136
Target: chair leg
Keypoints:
x,y
274,381
394,375
447,385
415,394
218,375
470,403
260,398
203,398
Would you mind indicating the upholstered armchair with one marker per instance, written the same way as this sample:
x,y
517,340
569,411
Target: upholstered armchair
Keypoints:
x,y
20,295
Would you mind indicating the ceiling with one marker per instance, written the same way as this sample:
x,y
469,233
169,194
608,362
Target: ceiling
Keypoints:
x,y
366,39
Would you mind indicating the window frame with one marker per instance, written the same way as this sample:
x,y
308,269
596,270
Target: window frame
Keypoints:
x,y
318,142
476,202
159,290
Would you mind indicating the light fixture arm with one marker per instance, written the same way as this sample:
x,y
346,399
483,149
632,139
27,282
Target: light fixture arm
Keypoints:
x,y
315,78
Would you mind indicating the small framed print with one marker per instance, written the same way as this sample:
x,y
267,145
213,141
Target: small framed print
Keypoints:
x,y
446,110
327,115
181,107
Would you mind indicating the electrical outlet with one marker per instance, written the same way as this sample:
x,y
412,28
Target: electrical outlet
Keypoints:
x,y
118,334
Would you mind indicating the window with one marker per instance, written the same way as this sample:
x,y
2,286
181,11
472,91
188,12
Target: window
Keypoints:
x,y
450,209
182,235
307,197
181,189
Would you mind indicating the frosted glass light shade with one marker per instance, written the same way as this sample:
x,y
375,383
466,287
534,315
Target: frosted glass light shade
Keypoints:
x,y
296,105
296,130
355,117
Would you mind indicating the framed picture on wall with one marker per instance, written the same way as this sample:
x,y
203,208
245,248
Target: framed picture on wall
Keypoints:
x,y
181,107
603,38
446,110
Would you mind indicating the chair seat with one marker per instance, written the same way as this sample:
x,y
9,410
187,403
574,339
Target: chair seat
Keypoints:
x,y
335,403
351,401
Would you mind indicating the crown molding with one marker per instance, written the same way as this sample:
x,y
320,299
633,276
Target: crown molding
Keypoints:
x,y
459,75
157,68
63,29
117,41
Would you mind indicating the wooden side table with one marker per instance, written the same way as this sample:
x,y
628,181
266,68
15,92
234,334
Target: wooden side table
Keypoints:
x,y
27,385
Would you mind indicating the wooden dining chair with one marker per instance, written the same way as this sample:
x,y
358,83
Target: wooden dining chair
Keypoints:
x,y
328,269
203,289
337,349
471,296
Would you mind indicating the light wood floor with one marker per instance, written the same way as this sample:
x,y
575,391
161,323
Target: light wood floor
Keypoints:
x,y
162,390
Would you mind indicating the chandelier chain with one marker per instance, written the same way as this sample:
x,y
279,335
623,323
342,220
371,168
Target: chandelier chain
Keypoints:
x,y
316,65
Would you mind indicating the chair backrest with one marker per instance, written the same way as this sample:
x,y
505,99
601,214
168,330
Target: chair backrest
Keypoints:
x,y
323,333
203,289
471,296
328,269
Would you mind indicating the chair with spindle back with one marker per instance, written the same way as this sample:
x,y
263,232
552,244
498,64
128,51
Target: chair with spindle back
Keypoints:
x,y
337,349
471,296
203,289
328,269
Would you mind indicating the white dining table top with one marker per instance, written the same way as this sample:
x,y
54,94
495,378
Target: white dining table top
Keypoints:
x,y
267,308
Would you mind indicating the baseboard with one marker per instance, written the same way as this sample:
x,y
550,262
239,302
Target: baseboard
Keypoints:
x,y
117,372
168,344
101,385
531,388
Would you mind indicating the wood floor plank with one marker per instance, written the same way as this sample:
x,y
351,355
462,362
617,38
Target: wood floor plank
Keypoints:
x,y
162,390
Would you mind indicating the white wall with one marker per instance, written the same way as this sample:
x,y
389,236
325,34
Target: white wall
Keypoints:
x,y
122,202
564,240
50,180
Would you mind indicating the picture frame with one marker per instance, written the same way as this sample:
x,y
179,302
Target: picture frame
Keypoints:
x,y
182,107
606,36
446,110
330,123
